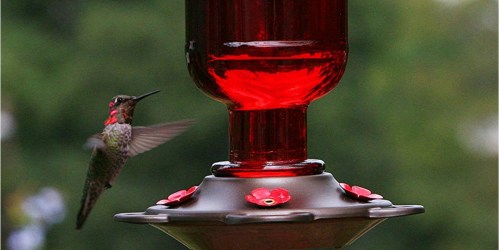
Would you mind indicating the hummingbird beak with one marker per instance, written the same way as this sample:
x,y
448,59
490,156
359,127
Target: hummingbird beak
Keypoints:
x,y
136,99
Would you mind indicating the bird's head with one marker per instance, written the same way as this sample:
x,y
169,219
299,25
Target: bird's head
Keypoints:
x,y
121,108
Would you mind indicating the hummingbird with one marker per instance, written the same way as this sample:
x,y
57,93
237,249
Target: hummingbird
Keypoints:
x,y
118,142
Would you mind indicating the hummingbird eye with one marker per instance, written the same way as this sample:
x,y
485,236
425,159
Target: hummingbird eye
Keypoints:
x,y
118,100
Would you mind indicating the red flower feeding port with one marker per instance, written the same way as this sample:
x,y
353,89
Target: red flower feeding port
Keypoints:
x,y
178,197
359,192
267,60
265,198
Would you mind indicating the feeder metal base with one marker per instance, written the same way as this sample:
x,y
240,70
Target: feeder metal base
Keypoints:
x,y
319,215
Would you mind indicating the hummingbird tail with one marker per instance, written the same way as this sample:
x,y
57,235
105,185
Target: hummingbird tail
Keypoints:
x,y
82,215
80,220
88,201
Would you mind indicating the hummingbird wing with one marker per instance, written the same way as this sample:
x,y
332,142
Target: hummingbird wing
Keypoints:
x,y
95,141
96,182
147,138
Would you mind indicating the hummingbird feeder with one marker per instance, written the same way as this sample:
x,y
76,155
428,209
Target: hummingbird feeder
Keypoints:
x,y
267,60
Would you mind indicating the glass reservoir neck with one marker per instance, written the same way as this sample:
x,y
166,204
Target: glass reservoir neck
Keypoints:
x,y
268,143
264,137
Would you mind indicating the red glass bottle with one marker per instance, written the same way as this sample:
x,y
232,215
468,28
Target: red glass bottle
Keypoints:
x,y
266,60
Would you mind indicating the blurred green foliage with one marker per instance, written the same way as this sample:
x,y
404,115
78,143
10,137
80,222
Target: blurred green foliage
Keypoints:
x,y
421,76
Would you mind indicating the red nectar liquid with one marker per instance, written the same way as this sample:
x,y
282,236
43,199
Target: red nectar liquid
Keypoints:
x,y
266,60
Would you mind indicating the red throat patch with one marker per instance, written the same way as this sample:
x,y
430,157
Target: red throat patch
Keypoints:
x,y
110,120
112,117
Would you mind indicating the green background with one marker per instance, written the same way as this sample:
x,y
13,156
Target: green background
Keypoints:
x,y
415,117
